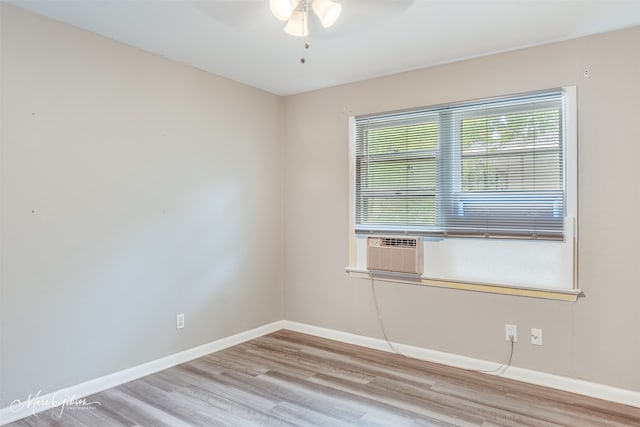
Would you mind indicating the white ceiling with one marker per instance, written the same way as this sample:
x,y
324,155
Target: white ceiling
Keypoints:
x,y
241,40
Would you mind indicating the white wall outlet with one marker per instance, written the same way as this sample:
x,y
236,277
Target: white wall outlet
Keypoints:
x,y
179,320
511,331
536,336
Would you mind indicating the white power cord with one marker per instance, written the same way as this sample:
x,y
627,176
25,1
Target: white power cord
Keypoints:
x,y
500,370
384,332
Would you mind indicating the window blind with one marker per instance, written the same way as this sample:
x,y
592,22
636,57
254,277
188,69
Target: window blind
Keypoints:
x,y
492,168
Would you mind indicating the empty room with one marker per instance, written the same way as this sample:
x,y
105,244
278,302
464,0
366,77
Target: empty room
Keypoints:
x,y
319,213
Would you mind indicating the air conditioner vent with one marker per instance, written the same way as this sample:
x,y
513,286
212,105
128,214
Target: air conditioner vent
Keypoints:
x,y
394,254
399,242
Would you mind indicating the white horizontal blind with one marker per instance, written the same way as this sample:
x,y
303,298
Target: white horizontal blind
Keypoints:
x,y
490,168
396,164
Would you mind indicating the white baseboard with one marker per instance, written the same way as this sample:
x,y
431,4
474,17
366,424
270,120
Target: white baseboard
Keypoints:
x,y
37,403
586,388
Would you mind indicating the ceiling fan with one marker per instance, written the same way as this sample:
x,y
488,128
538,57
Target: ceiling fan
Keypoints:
x,y
296,14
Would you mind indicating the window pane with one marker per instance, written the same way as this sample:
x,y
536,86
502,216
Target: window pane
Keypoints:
x,y
519,151
396,173
401,174
414,137
416,211
520,172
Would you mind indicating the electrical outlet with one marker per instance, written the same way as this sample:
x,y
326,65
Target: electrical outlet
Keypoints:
x,y
536,336
511,331
179,320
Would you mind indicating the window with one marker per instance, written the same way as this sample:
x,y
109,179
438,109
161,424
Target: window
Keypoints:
x,y
503,171
492,168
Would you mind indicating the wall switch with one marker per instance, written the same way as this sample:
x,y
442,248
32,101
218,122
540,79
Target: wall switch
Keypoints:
x,y
511,331
179,320
536,336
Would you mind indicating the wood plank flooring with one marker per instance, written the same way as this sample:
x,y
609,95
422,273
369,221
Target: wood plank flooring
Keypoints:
x,y
291,379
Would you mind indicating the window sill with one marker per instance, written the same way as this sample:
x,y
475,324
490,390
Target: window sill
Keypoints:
x,y
570,295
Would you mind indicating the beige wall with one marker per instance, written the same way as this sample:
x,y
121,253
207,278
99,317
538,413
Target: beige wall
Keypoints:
x,y
132,189
595,338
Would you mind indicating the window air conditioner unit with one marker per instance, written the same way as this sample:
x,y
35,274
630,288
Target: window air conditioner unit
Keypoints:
x,y
394,255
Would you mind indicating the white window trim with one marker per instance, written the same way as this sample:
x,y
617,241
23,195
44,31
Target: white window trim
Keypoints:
x,y
564,288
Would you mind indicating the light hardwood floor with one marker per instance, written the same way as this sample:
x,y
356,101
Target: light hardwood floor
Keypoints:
x,y
291,379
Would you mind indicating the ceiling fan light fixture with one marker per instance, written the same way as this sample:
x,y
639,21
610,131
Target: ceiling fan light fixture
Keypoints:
x,y
297,24
283,9
327,11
